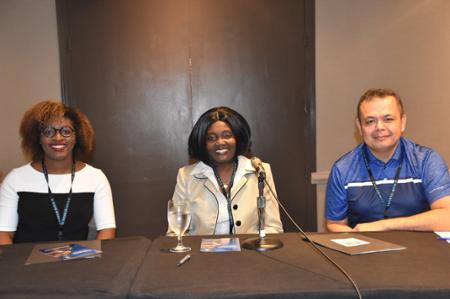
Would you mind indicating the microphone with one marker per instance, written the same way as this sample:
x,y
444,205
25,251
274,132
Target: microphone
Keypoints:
x,y
257,164
262,242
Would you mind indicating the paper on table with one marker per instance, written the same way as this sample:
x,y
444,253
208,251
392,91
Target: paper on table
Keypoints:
x,y
353,243
38,256
350,242
445,235
220,245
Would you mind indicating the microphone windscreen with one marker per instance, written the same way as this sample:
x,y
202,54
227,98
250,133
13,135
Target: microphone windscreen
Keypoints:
x,y
256,163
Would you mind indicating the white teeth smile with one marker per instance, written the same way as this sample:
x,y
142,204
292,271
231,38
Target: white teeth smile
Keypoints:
x,y
221,151
58,146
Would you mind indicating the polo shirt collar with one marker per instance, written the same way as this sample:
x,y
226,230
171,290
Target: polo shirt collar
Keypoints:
x,y
395,159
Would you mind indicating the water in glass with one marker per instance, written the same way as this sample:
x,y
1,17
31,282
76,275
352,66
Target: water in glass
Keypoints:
x,y
179,218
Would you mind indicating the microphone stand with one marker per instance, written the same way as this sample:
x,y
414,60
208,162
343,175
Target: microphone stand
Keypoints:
x,y
261,243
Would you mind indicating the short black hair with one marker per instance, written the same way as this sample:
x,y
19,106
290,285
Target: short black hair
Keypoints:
x,y
239,127
379,93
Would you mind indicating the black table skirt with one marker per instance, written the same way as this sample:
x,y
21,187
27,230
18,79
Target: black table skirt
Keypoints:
x,y
110,276
297,271
137,268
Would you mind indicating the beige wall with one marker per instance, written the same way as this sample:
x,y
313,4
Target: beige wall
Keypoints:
x,y
400,44
29,68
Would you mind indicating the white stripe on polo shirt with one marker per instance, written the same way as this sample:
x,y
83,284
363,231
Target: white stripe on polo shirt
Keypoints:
x,y
383,182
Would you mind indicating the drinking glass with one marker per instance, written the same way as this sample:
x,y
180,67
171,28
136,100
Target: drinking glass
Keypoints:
x,y
179,218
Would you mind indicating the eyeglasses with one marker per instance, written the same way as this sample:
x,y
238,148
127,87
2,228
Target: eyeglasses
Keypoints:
x,y
65,132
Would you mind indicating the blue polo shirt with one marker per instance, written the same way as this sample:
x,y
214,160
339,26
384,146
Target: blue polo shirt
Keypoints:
x,y
424,178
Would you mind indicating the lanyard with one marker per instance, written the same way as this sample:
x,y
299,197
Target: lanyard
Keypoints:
x,y
387,204
227,194
61,220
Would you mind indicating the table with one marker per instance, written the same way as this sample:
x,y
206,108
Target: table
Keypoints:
x,y
297,271
110,276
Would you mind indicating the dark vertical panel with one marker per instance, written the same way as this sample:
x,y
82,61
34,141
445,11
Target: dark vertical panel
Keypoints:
x,y
144,71
251,56
127,71
310,104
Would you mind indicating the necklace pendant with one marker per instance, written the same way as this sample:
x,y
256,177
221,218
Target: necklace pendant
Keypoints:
x,y
60,235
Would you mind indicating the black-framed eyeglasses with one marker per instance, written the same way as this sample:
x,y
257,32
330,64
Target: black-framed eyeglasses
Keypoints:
x,y
65,131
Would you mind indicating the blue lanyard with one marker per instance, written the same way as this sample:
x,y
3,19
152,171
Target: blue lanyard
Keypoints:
x,y
61,220
227,193
387,204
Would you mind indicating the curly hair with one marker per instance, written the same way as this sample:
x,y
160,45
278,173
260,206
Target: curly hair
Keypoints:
x,y
38,117
238,124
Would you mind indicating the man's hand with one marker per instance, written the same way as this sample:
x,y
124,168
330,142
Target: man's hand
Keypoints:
x,y
371,226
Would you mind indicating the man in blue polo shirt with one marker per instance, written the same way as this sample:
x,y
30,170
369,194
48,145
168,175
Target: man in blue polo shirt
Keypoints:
x,y
388,182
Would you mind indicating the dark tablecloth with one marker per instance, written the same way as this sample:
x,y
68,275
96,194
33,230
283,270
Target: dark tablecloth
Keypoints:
x,y
297,271
110,276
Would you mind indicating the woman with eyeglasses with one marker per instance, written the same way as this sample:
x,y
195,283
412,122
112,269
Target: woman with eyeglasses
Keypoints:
x,y
55,196
222,187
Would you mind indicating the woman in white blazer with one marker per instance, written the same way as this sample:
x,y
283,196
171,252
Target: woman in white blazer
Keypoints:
x,y
222,187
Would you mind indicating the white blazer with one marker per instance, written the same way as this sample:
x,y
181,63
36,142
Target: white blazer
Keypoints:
x,y
197,184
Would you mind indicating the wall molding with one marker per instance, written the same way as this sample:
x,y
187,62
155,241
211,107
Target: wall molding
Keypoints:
x,y
320,177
